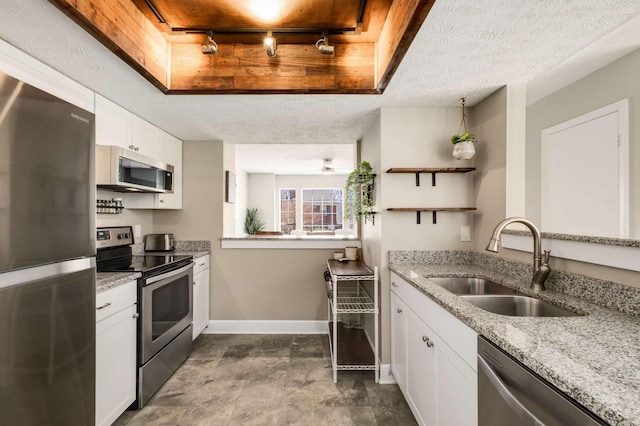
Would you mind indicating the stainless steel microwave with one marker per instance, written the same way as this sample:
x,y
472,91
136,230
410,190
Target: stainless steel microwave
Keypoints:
x,y
122,170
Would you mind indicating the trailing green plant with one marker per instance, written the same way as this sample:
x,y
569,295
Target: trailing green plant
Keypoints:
x,y
359,193
252,222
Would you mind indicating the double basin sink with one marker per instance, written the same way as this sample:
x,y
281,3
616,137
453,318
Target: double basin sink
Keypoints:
x,y
498,299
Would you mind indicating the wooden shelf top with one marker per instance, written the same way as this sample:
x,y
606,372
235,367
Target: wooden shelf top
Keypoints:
x,y
430,209
431,170
349,268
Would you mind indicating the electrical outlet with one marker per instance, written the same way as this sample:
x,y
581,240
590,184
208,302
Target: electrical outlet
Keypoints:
x,y
465,233
137,231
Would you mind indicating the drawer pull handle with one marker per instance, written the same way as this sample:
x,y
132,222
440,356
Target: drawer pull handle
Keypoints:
x,y
202,264
399,310
103,306
428,341
394,284
136,315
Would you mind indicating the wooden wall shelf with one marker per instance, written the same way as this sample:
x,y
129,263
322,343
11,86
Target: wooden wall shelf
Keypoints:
x,y
433,211
433,170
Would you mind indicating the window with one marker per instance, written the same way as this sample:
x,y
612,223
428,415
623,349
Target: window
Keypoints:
x,y
287,210
321,209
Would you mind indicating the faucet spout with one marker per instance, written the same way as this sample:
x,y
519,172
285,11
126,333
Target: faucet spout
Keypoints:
x,y
494,243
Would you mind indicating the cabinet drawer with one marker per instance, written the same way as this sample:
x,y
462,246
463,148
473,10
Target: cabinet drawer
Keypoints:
x,y
116,299
399,286
460,337
201,263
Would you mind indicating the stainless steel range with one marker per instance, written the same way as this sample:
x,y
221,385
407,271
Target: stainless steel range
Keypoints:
x,y
165,306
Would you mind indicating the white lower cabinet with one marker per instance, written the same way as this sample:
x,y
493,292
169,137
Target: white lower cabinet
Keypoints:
x,y
200,295
431,359
115,352
398,340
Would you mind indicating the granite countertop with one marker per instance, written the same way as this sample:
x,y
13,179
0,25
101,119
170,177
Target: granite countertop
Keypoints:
x,y
109,280
595,359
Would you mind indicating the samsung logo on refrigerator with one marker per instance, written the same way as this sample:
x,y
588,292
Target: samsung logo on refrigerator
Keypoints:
x,y
78,117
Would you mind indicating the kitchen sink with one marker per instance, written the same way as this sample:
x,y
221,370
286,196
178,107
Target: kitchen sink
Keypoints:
x,y
470,285
517,306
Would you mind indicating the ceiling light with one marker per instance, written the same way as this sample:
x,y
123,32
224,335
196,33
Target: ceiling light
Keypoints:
x,y
210,47
327,166
270,45
323,45
266,10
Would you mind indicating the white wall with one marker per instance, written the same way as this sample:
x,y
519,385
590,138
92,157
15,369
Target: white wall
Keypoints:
x,y
261,196
229,209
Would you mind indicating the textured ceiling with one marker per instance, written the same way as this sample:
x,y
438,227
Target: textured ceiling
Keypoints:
x,y
465,48
293,158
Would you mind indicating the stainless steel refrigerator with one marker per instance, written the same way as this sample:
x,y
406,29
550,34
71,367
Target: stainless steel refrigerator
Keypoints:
x,y
47,263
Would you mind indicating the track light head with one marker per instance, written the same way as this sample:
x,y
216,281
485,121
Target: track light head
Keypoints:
x,y
270,44
323,45
210,47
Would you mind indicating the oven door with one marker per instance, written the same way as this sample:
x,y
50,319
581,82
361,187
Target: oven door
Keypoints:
x,y
166,309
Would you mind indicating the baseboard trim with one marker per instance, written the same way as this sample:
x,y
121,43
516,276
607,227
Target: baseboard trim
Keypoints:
x,y
266,327
386,376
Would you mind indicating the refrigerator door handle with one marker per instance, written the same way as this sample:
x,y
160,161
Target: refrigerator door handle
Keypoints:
x,y
22,276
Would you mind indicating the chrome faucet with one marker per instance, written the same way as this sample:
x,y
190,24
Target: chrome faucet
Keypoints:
x,y
541,270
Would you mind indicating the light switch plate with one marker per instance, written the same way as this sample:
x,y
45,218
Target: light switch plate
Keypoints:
x,y
465,233
137,231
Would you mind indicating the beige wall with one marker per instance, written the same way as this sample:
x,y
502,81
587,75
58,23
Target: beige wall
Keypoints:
x,y
605,86
261,196
144,218
413,137
489,125
245,284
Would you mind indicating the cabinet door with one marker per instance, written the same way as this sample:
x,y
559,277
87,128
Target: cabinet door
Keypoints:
x,y
398,341
421,378
457,388
170,152
115,365
200,302
144,137
113,124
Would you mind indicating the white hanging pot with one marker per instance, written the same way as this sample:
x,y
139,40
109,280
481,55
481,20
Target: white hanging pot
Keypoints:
x,y
464,150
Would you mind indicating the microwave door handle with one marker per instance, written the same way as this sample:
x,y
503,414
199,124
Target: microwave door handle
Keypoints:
x,y
507,396
169,274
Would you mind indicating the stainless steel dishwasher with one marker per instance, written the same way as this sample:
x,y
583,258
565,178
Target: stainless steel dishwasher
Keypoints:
x,y
509,394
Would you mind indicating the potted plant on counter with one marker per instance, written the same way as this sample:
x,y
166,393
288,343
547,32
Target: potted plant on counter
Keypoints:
x,y
252,222
359,192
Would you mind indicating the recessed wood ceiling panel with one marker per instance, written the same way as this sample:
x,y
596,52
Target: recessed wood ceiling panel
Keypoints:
x,y
223,15
247,13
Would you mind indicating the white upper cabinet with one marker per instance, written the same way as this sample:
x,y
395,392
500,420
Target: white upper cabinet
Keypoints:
x,y
117,126
144,138
28,69
113,123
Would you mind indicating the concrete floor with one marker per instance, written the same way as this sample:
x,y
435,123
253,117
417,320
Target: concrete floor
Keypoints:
x,y
269,380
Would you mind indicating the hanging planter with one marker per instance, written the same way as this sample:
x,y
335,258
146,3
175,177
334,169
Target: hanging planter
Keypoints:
x,y
463,144
359,193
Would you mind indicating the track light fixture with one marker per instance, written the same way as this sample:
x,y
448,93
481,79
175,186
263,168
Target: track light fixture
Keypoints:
x,y
323,45
210,47
270,44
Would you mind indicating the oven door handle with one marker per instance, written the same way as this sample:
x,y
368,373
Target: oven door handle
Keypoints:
x,y
507,396
169,274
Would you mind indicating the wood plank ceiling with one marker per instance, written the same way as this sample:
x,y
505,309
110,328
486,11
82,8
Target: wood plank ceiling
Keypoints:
x,y
163,39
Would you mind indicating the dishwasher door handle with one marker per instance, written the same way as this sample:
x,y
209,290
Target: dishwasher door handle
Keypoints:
x,y
507,396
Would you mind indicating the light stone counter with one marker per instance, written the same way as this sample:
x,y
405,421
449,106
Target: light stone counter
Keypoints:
x,y
594,359
109,280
